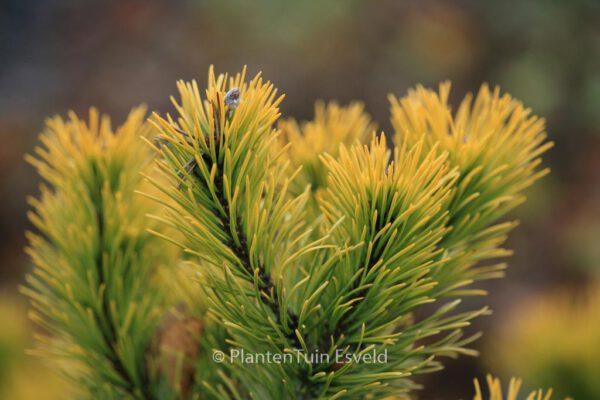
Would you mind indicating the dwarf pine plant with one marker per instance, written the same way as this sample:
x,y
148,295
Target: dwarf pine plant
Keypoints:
x,y
227,256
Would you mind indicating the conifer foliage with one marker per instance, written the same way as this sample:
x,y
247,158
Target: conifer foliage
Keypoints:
x,y
94,260
514,386
314,241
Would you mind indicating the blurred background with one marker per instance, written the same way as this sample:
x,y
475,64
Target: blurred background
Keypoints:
x,y
62,55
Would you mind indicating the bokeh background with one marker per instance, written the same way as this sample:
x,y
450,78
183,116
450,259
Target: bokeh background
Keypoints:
x,y
61,55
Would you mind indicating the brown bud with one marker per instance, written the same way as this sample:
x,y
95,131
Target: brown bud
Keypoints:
x,y
178,344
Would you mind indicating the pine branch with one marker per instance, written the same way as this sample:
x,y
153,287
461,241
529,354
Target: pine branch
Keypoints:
x,y
234,209
93,259
109,333
332,126
395,212
496,144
